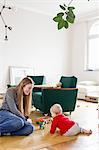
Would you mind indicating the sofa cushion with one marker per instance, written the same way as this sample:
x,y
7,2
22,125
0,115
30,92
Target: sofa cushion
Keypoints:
x,y
68,82
38,80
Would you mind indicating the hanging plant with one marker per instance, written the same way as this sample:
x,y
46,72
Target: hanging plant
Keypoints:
x,y
66,17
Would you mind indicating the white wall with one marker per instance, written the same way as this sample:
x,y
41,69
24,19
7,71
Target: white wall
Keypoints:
x,y
79,42
34,42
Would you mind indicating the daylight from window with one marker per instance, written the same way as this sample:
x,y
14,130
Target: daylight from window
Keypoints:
x,y
93,47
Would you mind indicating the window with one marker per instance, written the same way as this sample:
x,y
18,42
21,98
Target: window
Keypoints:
x,y
93,46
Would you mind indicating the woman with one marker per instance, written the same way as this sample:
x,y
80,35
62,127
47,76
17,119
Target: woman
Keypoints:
x,y
15,109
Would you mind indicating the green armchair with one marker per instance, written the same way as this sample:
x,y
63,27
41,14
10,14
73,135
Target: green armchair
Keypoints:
x,y
66,97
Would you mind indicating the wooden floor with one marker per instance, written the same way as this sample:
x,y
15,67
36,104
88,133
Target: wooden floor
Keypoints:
x,y
85,113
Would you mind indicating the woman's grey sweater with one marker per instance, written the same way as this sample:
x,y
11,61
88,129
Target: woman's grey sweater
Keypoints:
x,y
10,102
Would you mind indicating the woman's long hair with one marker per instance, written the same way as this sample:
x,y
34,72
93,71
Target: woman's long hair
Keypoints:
x,y
24,101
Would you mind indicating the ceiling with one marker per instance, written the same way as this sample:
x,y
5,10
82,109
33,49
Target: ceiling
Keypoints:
x,y
51,7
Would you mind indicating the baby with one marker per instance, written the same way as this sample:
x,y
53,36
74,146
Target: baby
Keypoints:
x,y
66,126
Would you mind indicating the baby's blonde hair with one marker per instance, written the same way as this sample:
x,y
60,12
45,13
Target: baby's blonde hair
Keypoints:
x,y
56,108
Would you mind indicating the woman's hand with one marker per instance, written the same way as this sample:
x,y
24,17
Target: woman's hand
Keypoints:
x,y
29,120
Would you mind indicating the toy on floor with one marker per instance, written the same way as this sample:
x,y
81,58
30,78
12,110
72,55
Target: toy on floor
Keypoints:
x,y
42,121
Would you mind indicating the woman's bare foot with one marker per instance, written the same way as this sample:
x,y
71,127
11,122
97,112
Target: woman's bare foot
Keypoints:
x,y
84,131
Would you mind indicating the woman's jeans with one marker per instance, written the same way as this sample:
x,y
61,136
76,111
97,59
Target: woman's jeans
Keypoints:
x,y
10,123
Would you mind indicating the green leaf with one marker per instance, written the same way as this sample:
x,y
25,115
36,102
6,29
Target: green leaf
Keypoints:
x,y
71,8
57,19
71,14
60,14
70,19
60,24
66,25
62,7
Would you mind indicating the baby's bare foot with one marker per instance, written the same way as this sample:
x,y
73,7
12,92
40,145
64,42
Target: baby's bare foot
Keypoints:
x,y
84,131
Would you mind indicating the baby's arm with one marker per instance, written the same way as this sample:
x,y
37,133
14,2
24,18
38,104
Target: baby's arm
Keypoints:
x,y
53,126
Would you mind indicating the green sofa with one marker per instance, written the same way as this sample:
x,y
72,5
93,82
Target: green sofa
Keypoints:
x,y
66,97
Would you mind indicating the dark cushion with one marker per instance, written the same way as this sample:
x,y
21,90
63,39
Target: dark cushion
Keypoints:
x,y
68,82
38,80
